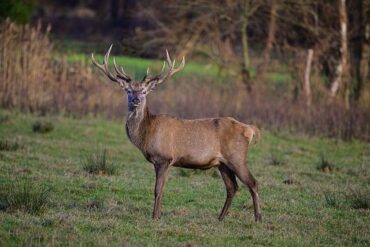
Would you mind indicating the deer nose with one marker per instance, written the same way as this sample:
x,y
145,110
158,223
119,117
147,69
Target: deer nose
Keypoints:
x,y
136,101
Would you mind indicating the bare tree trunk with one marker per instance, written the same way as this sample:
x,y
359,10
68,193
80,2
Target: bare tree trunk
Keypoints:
x,y
298,65
270,39
365,55
245,44
341,77
307,82
365,48
246,61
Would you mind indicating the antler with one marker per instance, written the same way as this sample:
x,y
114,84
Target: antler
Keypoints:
x,y
171,68
121,78
164,76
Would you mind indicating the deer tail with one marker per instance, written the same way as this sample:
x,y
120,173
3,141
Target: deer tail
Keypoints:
x,y
257,134
251,132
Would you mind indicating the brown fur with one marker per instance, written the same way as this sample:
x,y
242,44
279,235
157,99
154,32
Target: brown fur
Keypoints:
x,y
197,144
167,141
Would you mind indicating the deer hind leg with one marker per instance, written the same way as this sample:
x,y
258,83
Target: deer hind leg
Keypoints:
x,y
160,172
231,187
237,165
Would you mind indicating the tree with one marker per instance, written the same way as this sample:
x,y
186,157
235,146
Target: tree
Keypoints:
x,y
341,78
214,28
19,11
270,38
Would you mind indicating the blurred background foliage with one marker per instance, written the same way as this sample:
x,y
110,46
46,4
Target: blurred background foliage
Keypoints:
x,y
281,64
20,11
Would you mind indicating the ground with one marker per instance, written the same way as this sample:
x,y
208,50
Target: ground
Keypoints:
x,y
314,191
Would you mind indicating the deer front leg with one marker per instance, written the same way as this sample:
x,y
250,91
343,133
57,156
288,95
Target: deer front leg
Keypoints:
x,y
160,173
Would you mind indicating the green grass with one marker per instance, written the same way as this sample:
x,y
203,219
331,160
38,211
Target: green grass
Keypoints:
x,y
42,126
7,145
24,196
96,163
84,209
137,67
81,52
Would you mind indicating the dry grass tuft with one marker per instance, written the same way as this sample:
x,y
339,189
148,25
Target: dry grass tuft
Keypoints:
x,y
25,196
33,77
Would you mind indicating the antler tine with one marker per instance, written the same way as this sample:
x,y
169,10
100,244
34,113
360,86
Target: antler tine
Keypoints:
x,y
106,62
163,67
171,68
106,56
146,74
104,67
180,67
121,74
168,59
96,63
164,76
147,71
182,64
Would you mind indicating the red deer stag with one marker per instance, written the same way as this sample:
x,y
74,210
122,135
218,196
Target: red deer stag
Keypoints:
x,y
168,141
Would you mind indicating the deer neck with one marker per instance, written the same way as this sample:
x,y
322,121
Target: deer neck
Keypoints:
x,y
137,125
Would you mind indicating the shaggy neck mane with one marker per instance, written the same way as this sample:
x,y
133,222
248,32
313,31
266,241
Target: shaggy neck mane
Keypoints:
x,y
137,125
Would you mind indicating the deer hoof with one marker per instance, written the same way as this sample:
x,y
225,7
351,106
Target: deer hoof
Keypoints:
x,y
258,218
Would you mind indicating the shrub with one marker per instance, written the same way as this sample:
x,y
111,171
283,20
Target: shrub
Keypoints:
x,y
6,145
42,126
332,199
352,198
35,77
325,165
97,164
25,196
359,199
17,10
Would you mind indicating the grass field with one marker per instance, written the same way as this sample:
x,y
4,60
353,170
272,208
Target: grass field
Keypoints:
x,y
137,67
313,191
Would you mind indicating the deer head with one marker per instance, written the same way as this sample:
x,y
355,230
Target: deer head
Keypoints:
x,y
137,90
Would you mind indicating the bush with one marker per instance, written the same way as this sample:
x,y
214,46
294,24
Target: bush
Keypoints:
x,y
19,11
332,199
35,77
325,165
42,126
359,199
6,145
353,198
97,164
25,196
